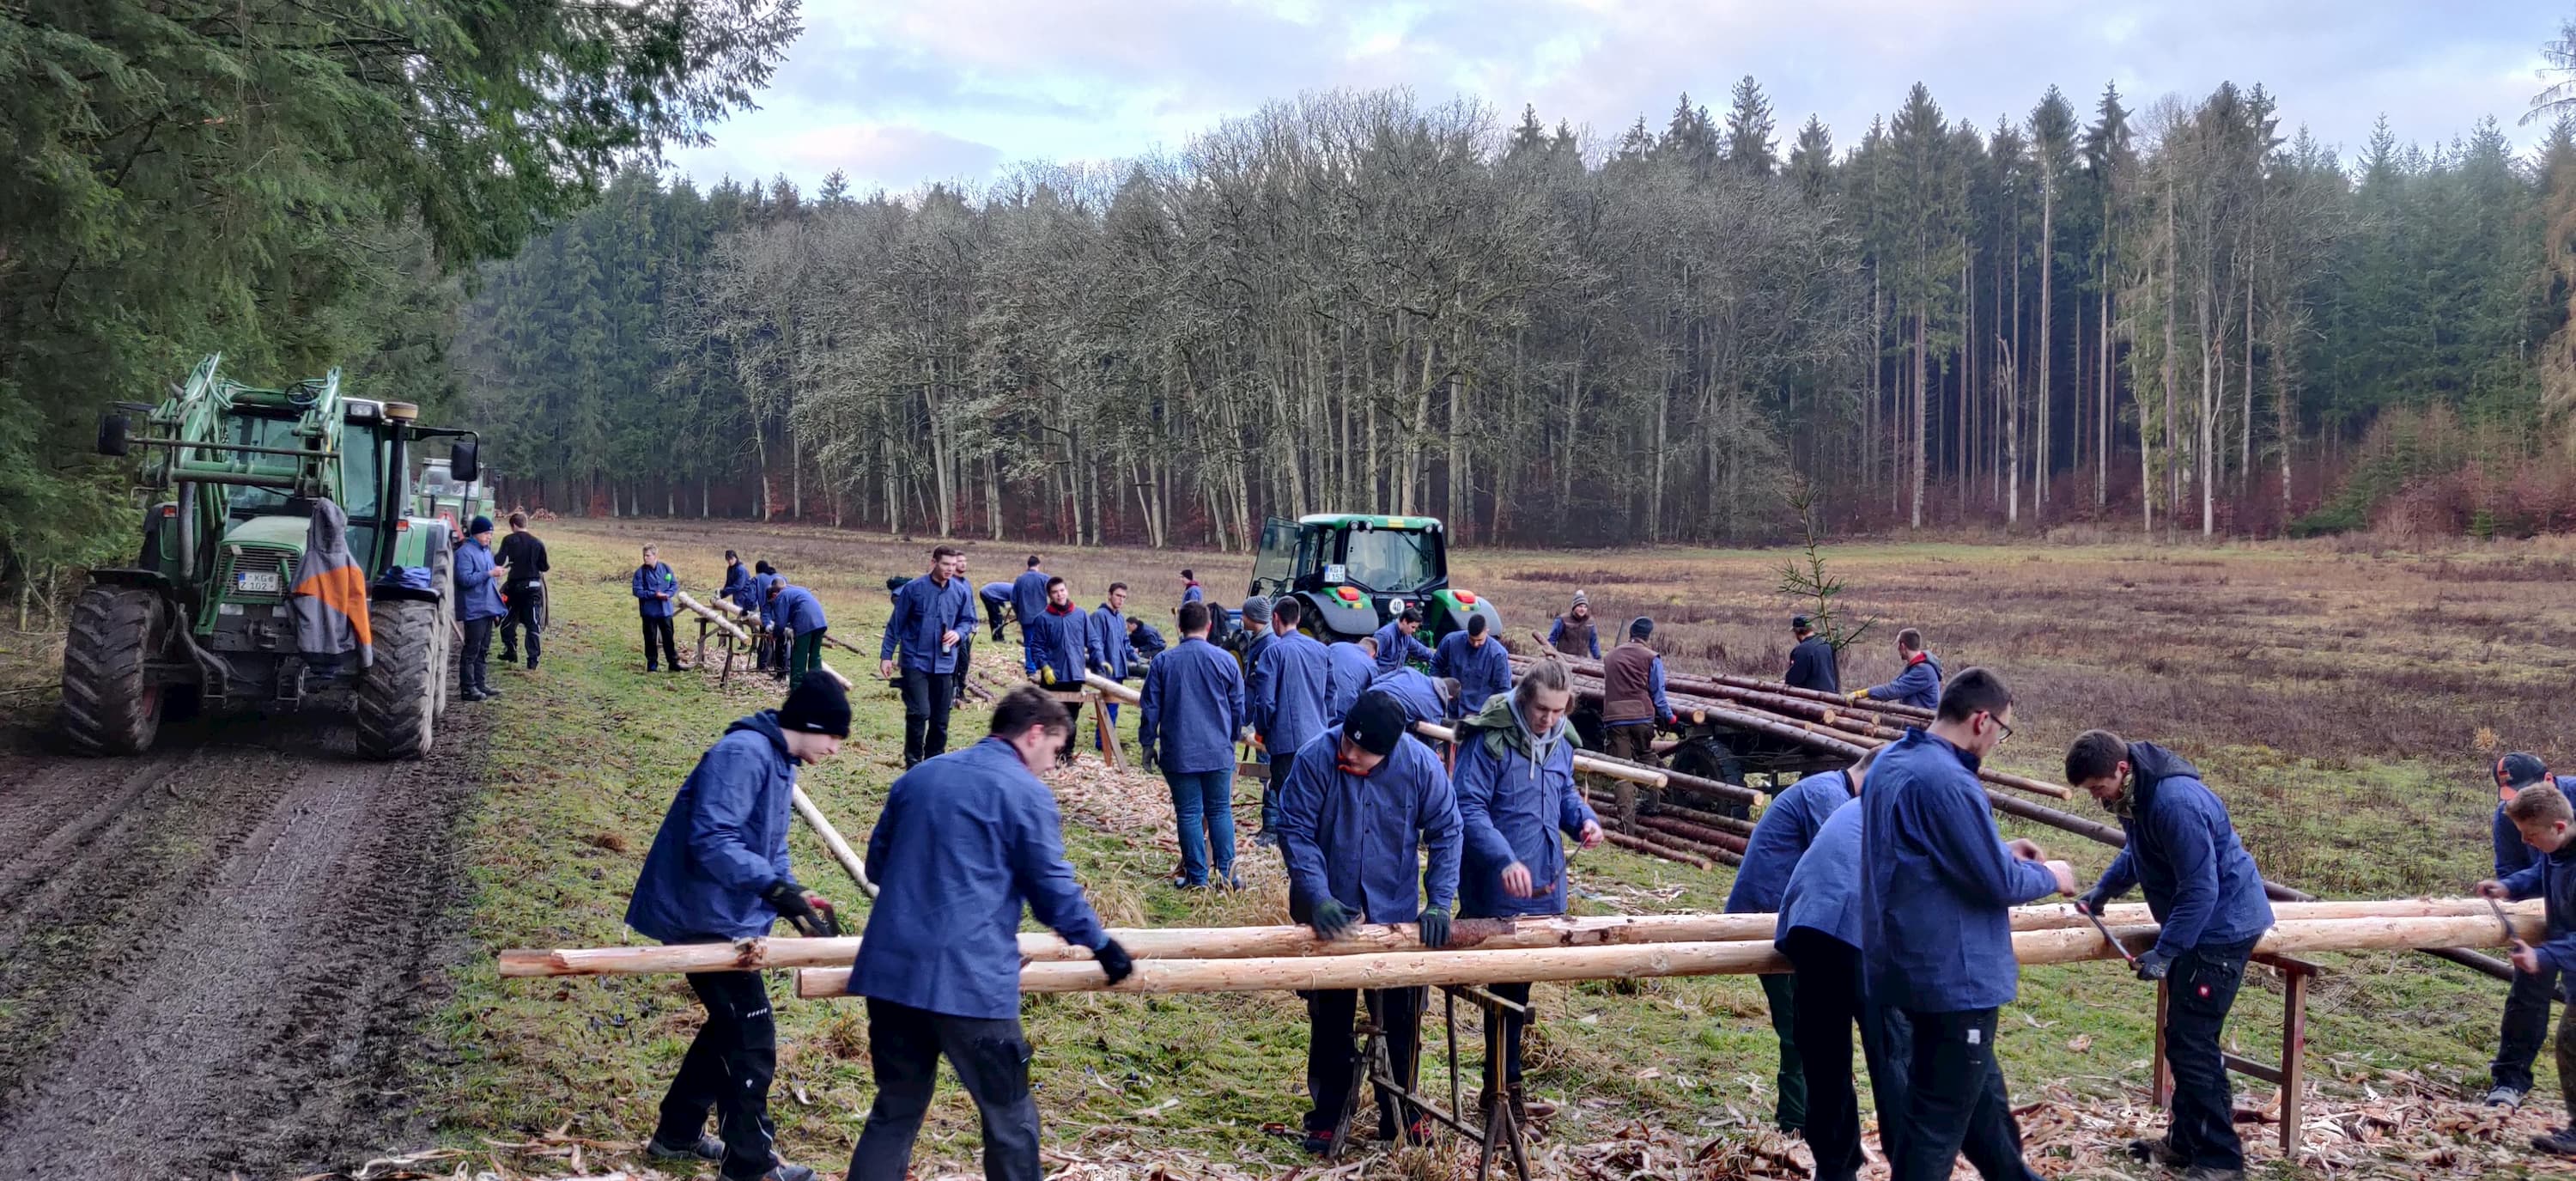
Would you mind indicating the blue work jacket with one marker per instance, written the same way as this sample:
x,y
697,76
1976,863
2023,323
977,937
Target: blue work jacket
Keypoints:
x,y
797,610
1110,651
1919,685
1351,671
967,839
2553,877
722,843
1355,838
736,576
1145,643
1812,666
2199,880
1515,795
1396,649
923,611
751,596
760,604
1028,601
477,595
650,582
1193,709
1061,643
1938,885
1481,671
1788,825
1292,690
1824,891
2512,854
1415,692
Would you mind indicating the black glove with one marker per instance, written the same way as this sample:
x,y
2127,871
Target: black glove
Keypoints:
x,y
2154,965
1114,962
1331,920
788,899
1435,929
2091,903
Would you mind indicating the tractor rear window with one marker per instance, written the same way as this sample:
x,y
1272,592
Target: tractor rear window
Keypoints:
x,y
1390,559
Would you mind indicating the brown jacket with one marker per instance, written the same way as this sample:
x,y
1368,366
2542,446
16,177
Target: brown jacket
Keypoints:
x,y
1627,690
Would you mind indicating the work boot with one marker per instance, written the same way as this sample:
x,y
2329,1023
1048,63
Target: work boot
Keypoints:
x,y
482,692
708,1147
2506,1095
1527,1109
2158,1151
787,1172
471,695
2559,1142
2212,1173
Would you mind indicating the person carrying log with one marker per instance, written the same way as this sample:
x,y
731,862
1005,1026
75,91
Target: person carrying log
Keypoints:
x,y
478,607
1937,891
967,841
932,615
1477,661
1812,664
1918,685
1819,930
1357,805
1192,709
718,871
1788,826
653,585
799,623
1286,700
1396,646
2526,1004
524,591
2540,812
1028,601
1059,644
2206,892
1515,786
1353,666
1111,652
1632,697
1573,633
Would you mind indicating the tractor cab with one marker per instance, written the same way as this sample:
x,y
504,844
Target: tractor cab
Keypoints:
x,y
1355,572
443,497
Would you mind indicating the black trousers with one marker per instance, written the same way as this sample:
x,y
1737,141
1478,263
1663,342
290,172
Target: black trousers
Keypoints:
x,y
727,1070
2526,1025
658,627
473,662
965,660
524,602
927,697
2199,991
1829,1003
1955,1102
991,1059
1281,763
1072,713
1331,1049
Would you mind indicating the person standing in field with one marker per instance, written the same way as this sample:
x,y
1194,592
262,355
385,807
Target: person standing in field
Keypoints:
x,y
1919,685
2208,897
478,607
1787,828
1632,696
801,623
1820,931
1477,661
1111,654
1060,642
523,556
932,617
2526,1005
1191,710
734,576
1191,591
1574,634
1289,693
1813,664
654,584
1396,646
1028,602
966,843
718,872
1937,890
1514,781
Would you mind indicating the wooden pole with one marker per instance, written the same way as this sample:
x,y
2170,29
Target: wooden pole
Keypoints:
x,y
700,610
841,851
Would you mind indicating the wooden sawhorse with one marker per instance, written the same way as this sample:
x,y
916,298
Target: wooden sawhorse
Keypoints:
x,y
2290,1075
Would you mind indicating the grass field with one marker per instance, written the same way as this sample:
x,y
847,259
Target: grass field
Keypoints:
x,y
2344,703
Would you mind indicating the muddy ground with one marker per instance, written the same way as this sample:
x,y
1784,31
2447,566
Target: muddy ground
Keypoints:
x,y
217,958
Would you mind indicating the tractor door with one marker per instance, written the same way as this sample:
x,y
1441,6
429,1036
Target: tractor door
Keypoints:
x,y
1276,563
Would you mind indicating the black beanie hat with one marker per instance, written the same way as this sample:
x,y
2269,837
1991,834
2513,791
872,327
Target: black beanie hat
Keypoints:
x,y
817,705
1641,628
1375,724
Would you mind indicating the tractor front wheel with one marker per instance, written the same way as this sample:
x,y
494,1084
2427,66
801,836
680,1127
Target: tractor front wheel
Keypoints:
x,y
110,706
398,694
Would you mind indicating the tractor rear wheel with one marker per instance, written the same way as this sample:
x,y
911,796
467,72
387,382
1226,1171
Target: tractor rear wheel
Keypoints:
x,y
398,694
1708,757
110,707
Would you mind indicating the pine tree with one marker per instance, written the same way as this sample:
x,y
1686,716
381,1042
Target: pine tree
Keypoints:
x,y
1748,131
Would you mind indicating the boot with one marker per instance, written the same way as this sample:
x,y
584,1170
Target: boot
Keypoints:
x,y
2158,1151
1526,1109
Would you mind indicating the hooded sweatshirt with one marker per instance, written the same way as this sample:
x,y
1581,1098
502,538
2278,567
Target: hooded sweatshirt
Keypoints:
x,y
1516,792
722,843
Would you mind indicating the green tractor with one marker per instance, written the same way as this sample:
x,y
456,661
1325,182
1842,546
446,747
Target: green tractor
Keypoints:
x,y
438,493
202,619
1354,573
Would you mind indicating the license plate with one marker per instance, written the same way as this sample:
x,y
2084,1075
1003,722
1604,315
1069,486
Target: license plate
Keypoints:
x,y
257,582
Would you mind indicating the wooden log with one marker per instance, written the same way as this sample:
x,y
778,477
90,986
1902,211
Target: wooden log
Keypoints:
x,y
1685,680
1113,689
700,610
1637,844
1695,832
826,666
840,849
1609,768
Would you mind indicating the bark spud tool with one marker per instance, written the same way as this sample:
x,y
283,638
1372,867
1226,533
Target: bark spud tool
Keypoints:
x,y
2107,937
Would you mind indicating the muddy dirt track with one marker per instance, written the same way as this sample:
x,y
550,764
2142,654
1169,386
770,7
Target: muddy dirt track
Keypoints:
x,y
218,957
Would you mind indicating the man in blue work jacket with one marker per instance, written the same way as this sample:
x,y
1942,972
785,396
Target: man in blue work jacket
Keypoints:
x,y
966,841
736,576
1814,664
932,614
1788,826
478,609
800,625
1358,804
1819,930
654,584
753,598
1516,792
1477,661
1193,711
1060,642
1424,698
1291,689
1354,666
1028,601
1144,640
1918,685
1111,653
718,872
996,597
2208,896
1396,646
1937,890
2526,1004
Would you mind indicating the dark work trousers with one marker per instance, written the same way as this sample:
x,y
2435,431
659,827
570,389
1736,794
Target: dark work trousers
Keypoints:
x,y
965,660
1829,1004
1790,1113
2198,992
1073,714
2526,1025
804,654
2565,1052
1635,743
991,1059
472,664
1331,1048
524,602
1955,1103
657,628
777,662
727,1070
1281,763
927,697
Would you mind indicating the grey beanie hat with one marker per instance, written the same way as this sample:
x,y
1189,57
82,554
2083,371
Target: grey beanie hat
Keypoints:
x,y
1256,610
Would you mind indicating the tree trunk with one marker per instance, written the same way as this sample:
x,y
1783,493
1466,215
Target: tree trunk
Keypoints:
x,y
2102,403
1922,333
2040,437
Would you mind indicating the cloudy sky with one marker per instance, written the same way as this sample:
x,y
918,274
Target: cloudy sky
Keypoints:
x,y
901,92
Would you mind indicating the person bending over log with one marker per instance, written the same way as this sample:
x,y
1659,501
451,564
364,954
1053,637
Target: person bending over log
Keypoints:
x,y
1779,839
1424,698
1191,711
799,619
1937,894
2526,1005
1918,685
718,872
996,598
932,615
2541,814
966,841
653,584
2207,894
1515,786
1820,931
1289,691
1358,803
1632,696
1354,666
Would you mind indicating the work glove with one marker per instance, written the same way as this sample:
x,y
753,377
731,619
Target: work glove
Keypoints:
x,y
1046,675
1435,929
2091,903
2154,965
1148,752
1858,695
1331,920
1114,962
788,899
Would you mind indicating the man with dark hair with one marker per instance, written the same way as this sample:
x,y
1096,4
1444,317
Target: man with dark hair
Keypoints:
x,y
1353,666
1357,803
1191,591
1287,700
1820,931
1192,709
1919,685
1060,642
1144,639
1028,601
1477,661
1812,664
1111,652
718,872
772,647
932,615
2526,1005
967,841
996,599
1632,696
1424,698
478,606
2208,897
800,628
654,584
1574,634
524,556
1396,646
1788,826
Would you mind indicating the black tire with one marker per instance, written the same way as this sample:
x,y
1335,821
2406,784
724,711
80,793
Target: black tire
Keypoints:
x,y
1709,758
442,576
398,694
109,705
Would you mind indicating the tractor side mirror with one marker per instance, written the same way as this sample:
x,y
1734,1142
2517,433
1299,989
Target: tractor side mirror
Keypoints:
x,y
461,461
112,431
